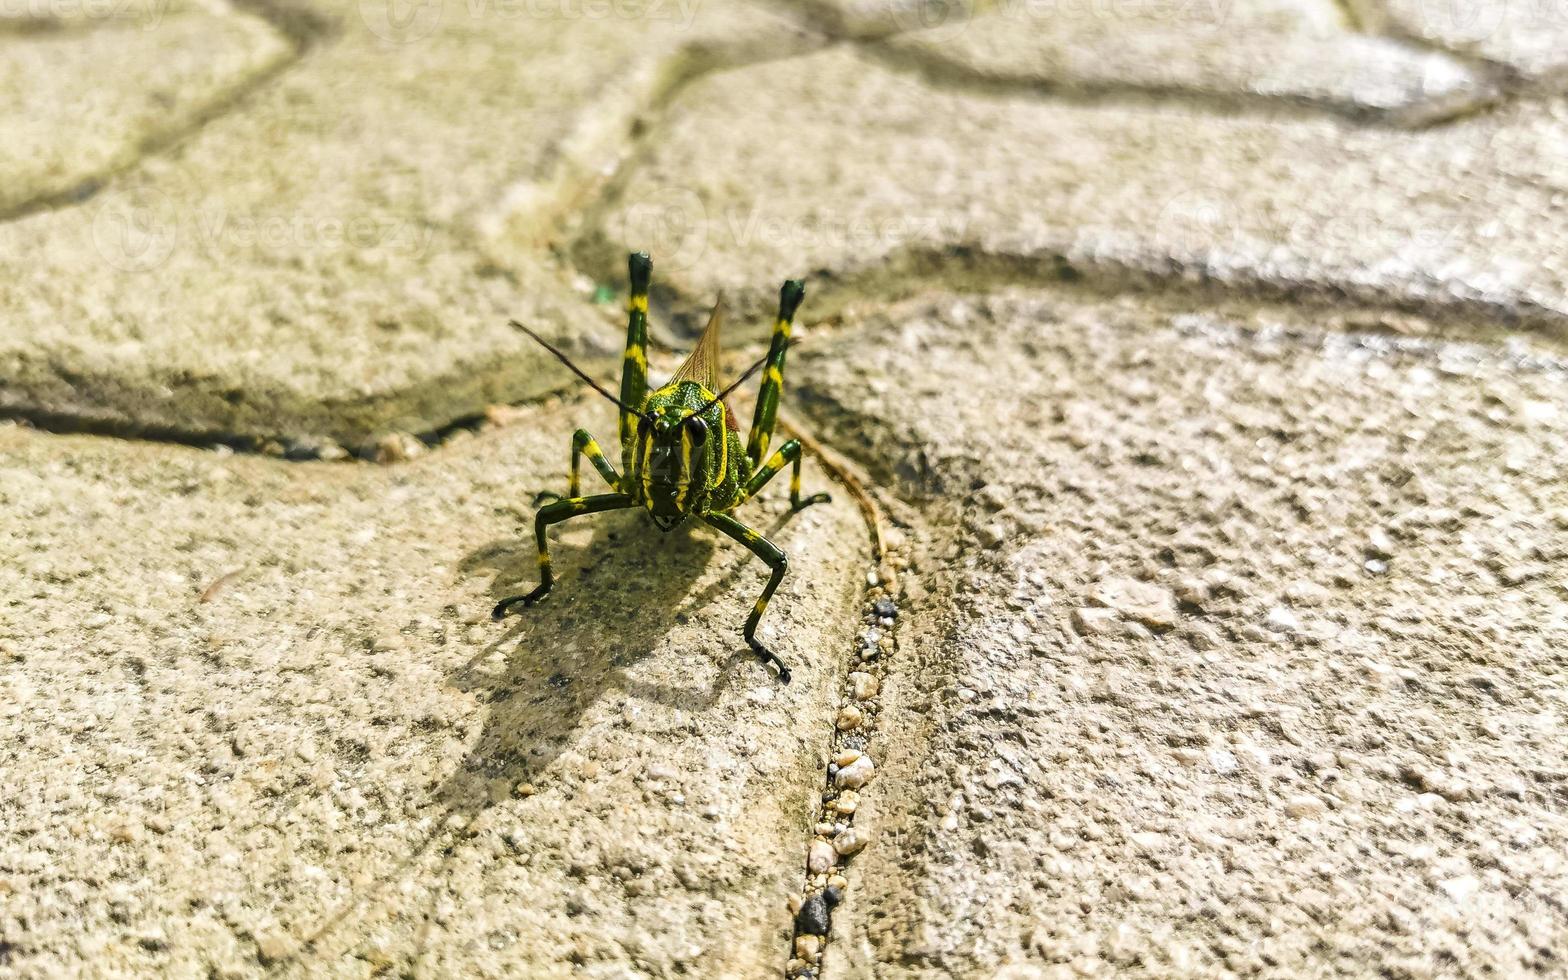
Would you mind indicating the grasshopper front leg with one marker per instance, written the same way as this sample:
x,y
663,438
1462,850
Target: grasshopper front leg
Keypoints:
x,y
554,514
777,562
583,444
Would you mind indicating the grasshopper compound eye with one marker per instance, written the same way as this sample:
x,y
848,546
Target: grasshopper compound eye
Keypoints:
x,y
697,429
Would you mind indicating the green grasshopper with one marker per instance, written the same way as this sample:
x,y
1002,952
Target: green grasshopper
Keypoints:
x,y
680,446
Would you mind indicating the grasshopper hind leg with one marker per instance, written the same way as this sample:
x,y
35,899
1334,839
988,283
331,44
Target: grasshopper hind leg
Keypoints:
x,y
778,565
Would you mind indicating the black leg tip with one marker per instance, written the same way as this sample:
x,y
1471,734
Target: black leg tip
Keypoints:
x,y
640,266
816,498
789,298
546,496
769,657
505,605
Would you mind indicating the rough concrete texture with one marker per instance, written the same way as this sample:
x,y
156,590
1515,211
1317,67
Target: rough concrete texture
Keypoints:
x,y
1443,219
314,264
1244,56
248,704
151,73
1529,37
1201,362
1241,655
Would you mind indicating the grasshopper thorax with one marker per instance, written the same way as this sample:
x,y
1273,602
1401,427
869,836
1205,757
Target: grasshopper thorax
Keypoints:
x,y
680,450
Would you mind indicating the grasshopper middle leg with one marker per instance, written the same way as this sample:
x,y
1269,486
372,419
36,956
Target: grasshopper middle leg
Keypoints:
x,y
554,514
787,453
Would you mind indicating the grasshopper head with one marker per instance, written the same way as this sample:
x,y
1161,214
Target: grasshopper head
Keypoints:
x,y
676,449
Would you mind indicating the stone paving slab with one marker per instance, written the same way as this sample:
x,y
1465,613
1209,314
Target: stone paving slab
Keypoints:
x,y
1267,56
1452,220
337,257
246,703
1241,655
149,73
1528,37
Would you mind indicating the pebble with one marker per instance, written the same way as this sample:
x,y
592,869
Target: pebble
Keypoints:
x,y
847,801
398,447
851,841
1144,602
1089,621
808,947
885,609
821,858
816,913
855,775
863,686
1192,591
847,757
503,415
1379,545
1282,620
1307,593
272,945
849,718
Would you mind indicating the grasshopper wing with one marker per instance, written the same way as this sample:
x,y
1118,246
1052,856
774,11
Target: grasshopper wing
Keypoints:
x,y
702,364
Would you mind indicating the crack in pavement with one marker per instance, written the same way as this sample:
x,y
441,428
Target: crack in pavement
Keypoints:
x,y
300,28
937,71
566,190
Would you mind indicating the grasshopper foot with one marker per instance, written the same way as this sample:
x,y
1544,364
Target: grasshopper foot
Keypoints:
x,y
505,605
816,498
769,657
546,496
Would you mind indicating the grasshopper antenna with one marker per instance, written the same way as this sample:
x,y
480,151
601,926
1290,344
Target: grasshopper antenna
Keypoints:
x,y
579,371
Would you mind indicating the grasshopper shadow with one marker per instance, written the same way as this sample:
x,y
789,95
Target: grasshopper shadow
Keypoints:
x,y
614,601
